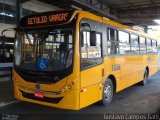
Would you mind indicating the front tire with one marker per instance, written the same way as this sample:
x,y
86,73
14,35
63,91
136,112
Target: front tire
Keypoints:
x,y
107,94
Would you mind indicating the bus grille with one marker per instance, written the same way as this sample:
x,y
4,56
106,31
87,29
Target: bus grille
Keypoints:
x,y
45,99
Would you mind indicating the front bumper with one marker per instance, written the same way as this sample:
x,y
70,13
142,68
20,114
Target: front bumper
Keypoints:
x,y
66,100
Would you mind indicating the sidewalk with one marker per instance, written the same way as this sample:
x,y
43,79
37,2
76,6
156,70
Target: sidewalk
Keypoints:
x,y
6,90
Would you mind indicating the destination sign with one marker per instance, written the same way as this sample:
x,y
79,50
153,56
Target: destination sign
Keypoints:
x,y
48,18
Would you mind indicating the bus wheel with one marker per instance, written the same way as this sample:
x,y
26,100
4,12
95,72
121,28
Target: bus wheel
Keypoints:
x,y
144,82
107,93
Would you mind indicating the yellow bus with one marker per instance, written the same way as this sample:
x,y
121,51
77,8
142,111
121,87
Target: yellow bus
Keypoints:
x,y
72,59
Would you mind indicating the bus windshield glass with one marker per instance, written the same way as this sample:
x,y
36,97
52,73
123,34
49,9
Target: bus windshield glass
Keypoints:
x,y
44,50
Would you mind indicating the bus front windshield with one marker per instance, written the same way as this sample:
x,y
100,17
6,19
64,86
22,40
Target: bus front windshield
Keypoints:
x,y
44,50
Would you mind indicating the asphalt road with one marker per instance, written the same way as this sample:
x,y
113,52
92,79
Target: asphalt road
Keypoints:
x,y
133,100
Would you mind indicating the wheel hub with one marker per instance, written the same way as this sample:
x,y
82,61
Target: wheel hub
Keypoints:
x,y
107,92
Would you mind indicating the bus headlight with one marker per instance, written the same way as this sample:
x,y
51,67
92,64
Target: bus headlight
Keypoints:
x,y
67,87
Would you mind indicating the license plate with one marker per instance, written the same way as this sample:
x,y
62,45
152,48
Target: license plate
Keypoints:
x,y
39,94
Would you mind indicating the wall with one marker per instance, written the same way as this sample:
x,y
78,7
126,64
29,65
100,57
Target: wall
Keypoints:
x,y
7,33
32,5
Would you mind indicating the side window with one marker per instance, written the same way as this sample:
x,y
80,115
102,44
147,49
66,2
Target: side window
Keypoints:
x,y
112,41
134,44
85,42
124,44
149,46
142,42
91,48
154,46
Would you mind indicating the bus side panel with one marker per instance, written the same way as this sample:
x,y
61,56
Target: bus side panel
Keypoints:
x,y
152,61
109,63
155,64
90,96
136,69
90,85
131,70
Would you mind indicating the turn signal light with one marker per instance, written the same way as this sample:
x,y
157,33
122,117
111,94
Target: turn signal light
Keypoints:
x,y
83,90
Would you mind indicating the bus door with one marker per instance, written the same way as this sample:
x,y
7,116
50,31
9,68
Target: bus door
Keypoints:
x,y
91,66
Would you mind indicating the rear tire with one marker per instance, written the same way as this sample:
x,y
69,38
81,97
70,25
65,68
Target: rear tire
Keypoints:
x,y
144,82
107,94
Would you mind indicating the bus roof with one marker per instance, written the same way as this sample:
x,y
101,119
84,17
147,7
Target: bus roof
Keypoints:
x,y
63,17
121,26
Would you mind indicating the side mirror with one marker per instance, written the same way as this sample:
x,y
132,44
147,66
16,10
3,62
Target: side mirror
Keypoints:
x,y
93,39
85,25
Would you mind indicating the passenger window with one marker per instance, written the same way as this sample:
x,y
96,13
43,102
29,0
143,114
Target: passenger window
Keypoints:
x,y
112,41
154,46
124,45
90,54
142,41
123,37
134,44
149,46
